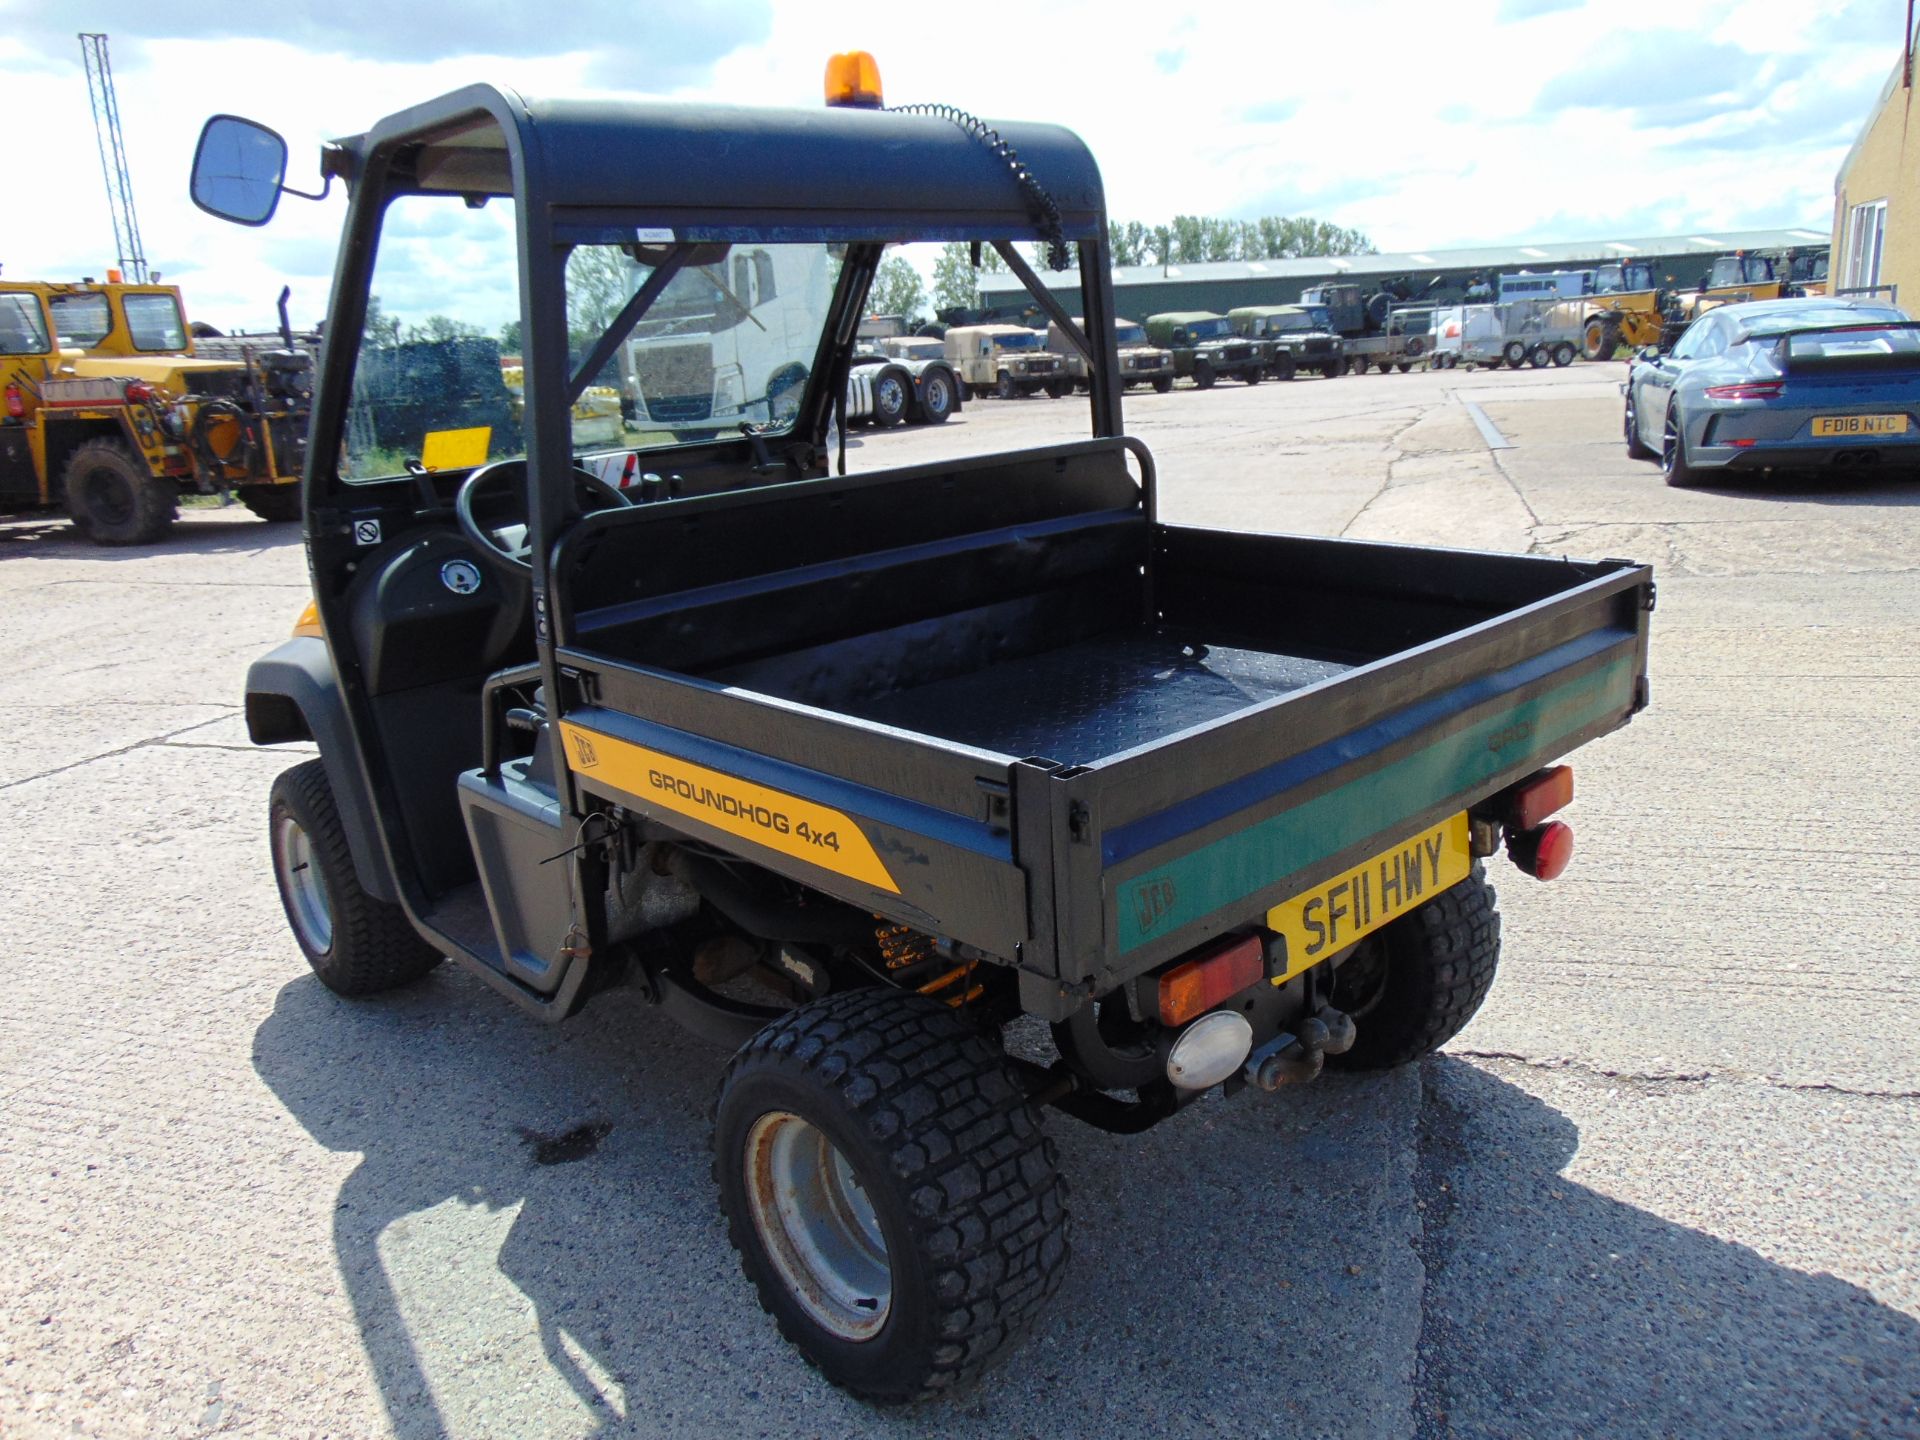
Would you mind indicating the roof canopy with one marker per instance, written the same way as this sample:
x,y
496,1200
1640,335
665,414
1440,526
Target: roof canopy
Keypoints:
x,y
816,170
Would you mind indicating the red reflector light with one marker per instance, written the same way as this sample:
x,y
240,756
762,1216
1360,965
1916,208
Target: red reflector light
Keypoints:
x,y
1743,444
1539,796
1217,973
1747,390
16,402
1543,853
139,392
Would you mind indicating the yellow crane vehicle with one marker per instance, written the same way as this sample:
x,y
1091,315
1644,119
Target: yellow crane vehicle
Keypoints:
x,y
109,415
1623,305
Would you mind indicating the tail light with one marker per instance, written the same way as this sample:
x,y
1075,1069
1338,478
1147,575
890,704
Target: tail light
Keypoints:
x,y
1539,796
1748,390
1542,853
16,402
1218,973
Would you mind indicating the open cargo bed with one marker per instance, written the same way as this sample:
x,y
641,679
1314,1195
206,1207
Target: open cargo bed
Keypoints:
x,y
1077,739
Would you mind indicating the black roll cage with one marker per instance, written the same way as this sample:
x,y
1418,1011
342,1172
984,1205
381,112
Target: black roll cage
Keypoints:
x,y
556,161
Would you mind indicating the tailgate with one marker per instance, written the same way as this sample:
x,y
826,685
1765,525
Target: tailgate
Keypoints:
x,y
1170,844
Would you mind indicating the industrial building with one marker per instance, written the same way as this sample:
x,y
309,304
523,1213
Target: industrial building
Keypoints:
x,y
1876,204
1679,261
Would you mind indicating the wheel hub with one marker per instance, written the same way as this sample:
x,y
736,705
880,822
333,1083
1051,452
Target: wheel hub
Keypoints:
x,y
307,903
818,1226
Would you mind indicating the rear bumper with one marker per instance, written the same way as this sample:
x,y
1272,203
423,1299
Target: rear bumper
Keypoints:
x,y
1894,454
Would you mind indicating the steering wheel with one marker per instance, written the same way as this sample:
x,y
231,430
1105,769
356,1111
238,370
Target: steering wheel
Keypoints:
x,y
492,508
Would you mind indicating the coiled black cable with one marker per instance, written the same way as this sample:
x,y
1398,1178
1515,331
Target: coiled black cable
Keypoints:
x,y
1040,205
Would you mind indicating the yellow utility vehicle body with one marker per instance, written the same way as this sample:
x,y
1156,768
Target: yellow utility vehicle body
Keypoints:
x,y
106,412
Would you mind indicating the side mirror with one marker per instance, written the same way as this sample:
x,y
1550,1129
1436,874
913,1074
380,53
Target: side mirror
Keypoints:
x,y
237,169
1649,353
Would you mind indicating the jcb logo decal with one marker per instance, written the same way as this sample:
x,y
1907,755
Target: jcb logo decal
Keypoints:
x,y
1152,903
583,753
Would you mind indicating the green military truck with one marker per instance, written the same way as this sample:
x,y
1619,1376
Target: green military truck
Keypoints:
x,y
854,774
1205,347
1300,338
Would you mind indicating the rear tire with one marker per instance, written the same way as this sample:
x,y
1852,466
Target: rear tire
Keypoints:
x,y
356,944
1414,985
936,397
1673,453
1539,357
890,1191
1563,354
279,504
113,498
892,388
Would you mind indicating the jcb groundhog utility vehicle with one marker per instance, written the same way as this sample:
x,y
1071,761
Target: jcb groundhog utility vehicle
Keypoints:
x,y
855,772
109,413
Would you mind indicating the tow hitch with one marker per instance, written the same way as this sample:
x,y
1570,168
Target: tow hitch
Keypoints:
x,y
1296,1056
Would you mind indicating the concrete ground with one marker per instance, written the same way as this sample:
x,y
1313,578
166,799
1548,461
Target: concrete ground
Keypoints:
x,y
1664,1185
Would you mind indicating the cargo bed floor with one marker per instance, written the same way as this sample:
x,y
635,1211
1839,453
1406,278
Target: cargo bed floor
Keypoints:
x,y
1086,701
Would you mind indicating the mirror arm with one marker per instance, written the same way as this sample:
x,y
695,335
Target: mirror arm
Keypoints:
x,y
325,190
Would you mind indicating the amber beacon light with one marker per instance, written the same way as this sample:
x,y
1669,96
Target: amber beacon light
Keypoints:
x,y
853,78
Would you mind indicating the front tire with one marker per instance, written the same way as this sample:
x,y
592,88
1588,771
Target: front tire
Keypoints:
x,y
1162,384
1514,353
113,499
1630,424
890,1190
1004,387
1414,985
1203,375
356,944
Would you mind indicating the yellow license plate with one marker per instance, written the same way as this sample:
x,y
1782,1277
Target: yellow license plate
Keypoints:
x,y
1830,425
1338,911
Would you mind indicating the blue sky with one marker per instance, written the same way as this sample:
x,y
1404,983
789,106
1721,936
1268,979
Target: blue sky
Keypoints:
x,y
1427,126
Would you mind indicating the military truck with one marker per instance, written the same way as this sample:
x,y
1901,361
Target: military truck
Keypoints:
x,y
856,774
1007,361
109,414
1300,337
1205,348
1141,362
1375,331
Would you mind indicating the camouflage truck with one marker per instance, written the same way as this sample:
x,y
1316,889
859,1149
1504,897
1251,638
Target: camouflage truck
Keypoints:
x,y
1205,348
1141,362
1297,337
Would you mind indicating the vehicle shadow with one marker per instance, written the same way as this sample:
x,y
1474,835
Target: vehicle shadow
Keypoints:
x,y
1232,1271
1858,488
198,532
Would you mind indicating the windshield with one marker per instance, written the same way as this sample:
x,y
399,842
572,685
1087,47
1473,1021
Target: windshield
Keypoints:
x,y
1208,329
81,320
439,378
1024,340
22,332
1129,334
154,322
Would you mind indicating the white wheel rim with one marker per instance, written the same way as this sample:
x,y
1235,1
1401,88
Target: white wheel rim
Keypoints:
x,y
818,1226
306,890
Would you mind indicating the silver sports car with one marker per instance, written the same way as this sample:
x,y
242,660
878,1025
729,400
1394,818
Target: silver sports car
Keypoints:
x,y
1808,384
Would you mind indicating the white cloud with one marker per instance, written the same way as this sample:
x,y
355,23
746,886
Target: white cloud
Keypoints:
x,y
1425,126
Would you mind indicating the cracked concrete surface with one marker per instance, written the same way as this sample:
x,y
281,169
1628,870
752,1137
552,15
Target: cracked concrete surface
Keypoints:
x,y
1664,1184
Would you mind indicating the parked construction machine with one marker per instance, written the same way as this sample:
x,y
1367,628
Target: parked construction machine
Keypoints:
x,y
110,414
1622,305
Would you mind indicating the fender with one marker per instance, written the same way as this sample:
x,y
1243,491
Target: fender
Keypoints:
x,y
293,694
